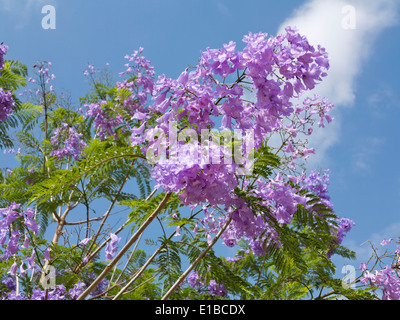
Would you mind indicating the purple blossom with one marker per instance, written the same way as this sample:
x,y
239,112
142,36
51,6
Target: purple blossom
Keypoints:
x,y
22,271
76,290
47,254
386,242
387,279
9,214
194,280
217,289
25,245
100,287
31,261
3,52
32,225
103,122
67,142
344,226
178,231
13,270
84,241
12,246
6,104
10,283
111,247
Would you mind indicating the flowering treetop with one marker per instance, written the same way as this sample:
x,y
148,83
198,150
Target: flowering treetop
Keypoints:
x,y
206,139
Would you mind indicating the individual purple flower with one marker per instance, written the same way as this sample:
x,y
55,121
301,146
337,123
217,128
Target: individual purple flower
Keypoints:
x,y
22,271
32,225
31,261
363,266
47,254
178,231
85,260
84,242
13,270
25,245
386,242
12,246
111,247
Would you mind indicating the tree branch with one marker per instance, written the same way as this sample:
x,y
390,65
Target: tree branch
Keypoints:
x,y
131,241
195,263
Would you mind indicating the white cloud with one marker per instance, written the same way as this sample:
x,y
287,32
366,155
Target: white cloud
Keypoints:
x,y
322,22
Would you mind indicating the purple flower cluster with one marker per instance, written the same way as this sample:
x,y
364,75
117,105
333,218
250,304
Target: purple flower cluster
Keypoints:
x,y
279,198
344,226
101,287
7,102
59,292
214,288
209,183
387,279
317,183
44,77
12,242
341,227
279,68
133,95
70,139
8,216
140,83
3,52
104,122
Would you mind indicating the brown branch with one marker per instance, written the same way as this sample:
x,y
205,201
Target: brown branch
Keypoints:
x,y
131,241
197,261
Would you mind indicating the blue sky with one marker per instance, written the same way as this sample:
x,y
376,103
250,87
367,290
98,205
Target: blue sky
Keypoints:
x,y
361,147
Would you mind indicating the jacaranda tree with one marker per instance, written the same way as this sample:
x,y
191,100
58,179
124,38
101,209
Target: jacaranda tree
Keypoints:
x,y
215,156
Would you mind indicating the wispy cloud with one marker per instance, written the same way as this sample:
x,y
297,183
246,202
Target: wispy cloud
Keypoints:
x,y
349,49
